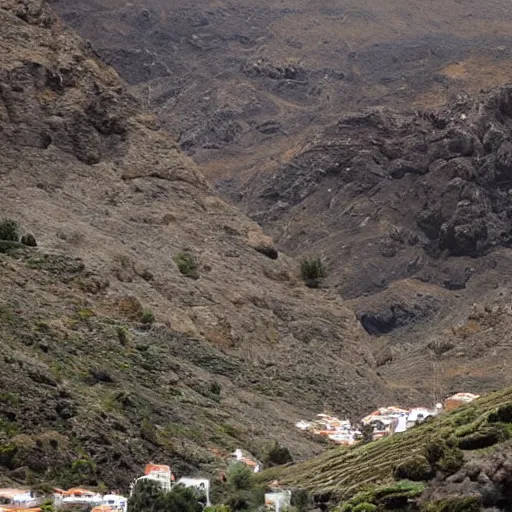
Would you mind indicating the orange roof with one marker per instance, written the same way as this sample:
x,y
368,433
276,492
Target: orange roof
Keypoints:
x,y
154,468
249,462
10,508
77,491
102,508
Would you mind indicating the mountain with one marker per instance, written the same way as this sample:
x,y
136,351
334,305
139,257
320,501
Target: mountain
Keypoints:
x,y
365,133
244,83
411,213
153,320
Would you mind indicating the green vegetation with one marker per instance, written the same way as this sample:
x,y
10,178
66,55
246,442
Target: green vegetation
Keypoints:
x,y
276,455
242,491
148,497
147,317
187,264
218,508
395,496
463,504
215,388
415,468
312,271
122,335
342,473
9,230
239,476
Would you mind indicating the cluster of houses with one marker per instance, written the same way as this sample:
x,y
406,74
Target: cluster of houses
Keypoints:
x,y
22,500
382,422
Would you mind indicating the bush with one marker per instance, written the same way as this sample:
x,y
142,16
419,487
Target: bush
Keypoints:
x,y
466,504
28,240
276,455
300,499
122,335
183,499
239,476
312,270
434,450
365,507
415,468
147,317
148,497
187,265
485,436
451,461
502,415
9,230
215,388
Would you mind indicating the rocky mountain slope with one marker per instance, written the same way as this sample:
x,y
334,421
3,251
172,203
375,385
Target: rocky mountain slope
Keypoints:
x,y
153,320
241,81
411,213
409,210
460,461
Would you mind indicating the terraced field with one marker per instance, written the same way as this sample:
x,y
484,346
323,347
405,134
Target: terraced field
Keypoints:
x,y
339,473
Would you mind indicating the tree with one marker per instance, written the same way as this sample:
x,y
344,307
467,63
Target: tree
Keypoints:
x,y
147,497
239,476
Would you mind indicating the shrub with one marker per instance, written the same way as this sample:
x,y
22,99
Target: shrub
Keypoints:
x,y
122,335
147,496
182,499
434,450
451,461
464,504
276,455
187,264
147,317
239,476
9,230
28,240
215,388
502,414
415,468
312,270
365,507
300,500
485,436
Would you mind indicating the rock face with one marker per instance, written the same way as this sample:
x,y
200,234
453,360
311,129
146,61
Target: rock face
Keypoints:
x,y
405,189
110,352
411,213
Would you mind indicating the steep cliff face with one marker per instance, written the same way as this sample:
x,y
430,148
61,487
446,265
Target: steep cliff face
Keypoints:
x,y
127,230
411,213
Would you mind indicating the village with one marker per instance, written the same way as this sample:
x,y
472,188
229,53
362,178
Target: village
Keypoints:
x,y
383,422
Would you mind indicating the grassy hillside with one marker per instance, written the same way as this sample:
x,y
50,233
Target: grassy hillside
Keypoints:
x,y
480,429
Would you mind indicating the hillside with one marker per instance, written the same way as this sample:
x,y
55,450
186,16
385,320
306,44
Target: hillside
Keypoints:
x,y
460,461
243,83
153,320
411,214
362,132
